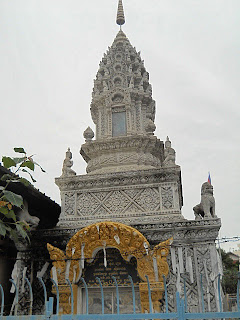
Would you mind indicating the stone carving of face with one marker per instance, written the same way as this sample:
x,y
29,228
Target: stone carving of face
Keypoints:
x,y
207,188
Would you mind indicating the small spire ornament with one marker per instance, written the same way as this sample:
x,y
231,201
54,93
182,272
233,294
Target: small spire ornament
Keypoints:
x,y
88,134
120,14
169,154
67,165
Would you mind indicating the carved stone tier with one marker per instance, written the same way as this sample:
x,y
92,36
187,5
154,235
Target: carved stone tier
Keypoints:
x,y
134,197
186,232
122,91
123,154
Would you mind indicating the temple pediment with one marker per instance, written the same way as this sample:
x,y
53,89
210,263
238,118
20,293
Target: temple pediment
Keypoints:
x,y
86,243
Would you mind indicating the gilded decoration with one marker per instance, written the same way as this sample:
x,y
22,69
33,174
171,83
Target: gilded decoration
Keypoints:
x,y
130,242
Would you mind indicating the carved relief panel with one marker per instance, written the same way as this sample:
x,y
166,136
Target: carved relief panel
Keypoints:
x,y
124,202
69,203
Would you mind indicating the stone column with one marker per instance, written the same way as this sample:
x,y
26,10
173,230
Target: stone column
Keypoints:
x,y
128,120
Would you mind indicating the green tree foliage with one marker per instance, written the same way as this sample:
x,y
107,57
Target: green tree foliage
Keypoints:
x,y
10,202
230,273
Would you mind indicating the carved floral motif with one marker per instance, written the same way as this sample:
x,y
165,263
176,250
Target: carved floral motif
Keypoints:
x,y
119,202
149,199
86,204
116,202
108,155
167,197
69,204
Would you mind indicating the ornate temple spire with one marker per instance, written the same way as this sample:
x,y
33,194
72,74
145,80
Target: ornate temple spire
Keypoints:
x,y
123,111
120,14
122,90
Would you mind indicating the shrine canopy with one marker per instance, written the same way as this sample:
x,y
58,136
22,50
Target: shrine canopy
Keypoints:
x,y
86,243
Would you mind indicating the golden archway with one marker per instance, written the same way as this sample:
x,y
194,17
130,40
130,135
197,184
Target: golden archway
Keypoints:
x,y
130,242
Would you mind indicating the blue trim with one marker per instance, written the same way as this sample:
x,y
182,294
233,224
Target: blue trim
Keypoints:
x,y
56,286
149,295
50,307
72,302
86,289
102,295
45,293
133,294
185,296
178,302
181,313
165,293
16,296
117,292
2,298
219,292
31,295
238,285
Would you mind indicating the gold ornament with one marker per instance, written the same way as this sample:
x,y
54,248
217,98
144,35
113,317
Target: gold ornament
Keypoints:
x,y
85,244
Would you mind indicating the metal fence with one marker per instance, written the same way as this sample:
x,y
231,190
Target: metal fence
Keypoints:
x,y
180,314
231,302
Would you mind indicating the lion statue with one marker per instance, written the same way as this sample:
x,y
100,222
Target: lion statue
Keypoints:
x,y
206,208
24,215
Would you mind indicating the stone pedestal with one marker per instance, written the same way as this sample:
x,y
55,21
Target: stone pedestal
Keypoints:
x,y
193,253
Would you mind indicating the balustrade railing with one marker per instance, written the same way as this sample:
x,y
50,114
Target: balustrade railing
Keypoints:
x,y
180,314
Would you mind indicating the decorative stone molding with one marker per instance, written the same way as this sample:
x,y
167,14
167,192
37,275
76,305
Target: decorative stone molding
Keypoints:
x,y
183,231
120,179
122,154
134,197
150,126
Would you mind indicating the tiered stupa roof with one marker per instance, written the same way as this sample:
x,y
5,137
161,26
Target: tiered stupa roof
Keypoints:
x,y
123,111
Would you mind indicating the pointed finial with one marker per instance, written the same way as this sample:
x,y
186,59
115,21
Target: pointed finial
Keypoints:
x,y
168,143
67,165
120,14
88,134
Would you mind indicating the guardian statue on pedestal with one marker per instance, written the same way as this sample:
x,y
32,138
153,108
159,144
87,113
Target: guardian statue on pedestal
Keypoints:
x,y
206,208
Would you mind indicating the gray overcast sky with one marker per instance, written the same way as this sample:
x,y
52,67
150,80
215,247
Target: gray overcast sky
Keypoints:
x,y
49,56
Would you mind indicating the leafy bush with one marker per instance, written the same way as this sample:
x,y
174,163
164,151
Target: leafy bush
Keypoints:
x,y
230,274
10,202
